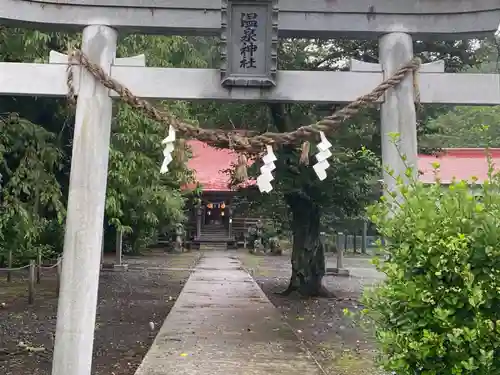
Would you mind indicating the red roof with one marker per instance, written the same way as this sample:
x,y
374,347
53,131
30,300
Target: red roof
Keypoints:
x,y
458,163
209,163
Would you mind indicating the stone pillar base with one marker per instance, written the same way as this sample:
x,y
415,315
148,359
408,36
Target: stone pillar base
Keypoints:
x,y
338,272
120,267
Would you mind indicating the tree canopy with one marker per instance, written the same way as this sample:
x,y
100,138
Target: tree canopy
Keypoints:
x,y
471,126
355,166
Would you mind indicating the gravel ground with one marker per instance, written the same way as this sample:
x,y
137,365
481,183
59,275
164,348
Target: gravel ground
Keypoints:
x,y
338,345
128,301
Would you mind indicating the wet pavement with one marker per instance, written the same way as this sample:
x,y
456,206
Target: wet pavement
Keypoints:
x,y
222,323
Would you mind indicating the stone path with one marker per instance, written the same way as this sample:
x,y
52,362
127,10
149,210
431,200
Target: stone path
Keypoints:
x,y
222,323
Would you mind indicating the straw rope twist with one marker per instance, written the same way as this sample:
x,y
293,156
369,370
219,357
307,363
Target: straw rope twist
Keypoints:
x,y
231,139
14,269
28,266
50,267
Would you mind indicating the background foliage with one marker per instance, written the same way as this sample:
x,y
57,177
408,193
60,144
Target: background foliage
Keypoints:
x,y
31,210
144,209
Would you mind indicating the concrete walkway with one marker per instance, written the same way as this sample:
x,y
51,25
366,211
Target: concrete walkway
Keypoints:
x,y
222,323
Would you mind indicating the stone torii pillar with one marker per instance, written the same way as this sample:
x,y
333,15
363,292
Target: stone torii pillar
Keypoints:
x,y
397,112
83,242
84,223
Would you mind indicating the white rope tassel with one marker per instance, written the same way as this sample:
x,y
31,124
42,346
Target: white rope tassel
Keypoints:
x,y
266,176
324,153
167,151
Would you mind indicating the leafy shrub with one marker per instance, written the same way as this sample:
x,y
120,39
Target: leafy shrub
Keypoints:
x,y
438,310
31,199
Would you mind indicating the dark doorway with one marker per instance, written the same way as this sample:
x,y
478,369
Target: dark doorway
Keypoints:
x,y
213,216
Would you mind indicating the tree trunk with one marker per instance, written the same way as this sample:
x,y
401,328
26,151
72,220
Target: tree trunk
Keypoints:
x,y
308,256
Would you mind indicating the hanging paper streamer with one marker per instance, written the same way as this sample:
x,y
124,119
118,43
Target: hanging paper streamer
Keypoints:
x,y
324,153
169,148
264,180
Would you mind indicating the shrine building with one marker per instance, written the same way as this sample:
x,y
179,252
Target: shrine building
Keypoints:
x,y
213,220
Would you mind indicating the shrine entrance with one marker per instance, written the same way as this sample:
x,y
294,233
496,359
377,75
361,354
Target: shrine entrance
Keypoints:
x,y
249,31
215,213
214,217
213,222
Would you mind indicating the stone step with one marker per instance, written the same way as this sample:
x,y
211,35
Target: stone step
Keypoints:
x,y
213,246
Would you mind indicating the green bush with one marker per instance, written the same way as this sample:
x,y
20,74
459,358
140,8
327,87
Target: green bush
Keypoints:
x,y
438,310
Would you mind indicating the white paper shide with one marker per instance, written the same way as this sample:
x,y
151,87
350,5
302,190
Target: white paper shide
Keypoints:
x,y
324,153
169,143
266,176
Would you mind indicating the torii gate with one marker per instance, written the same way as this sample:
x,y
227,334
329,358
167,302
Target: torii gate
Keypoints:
x,y
396,23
